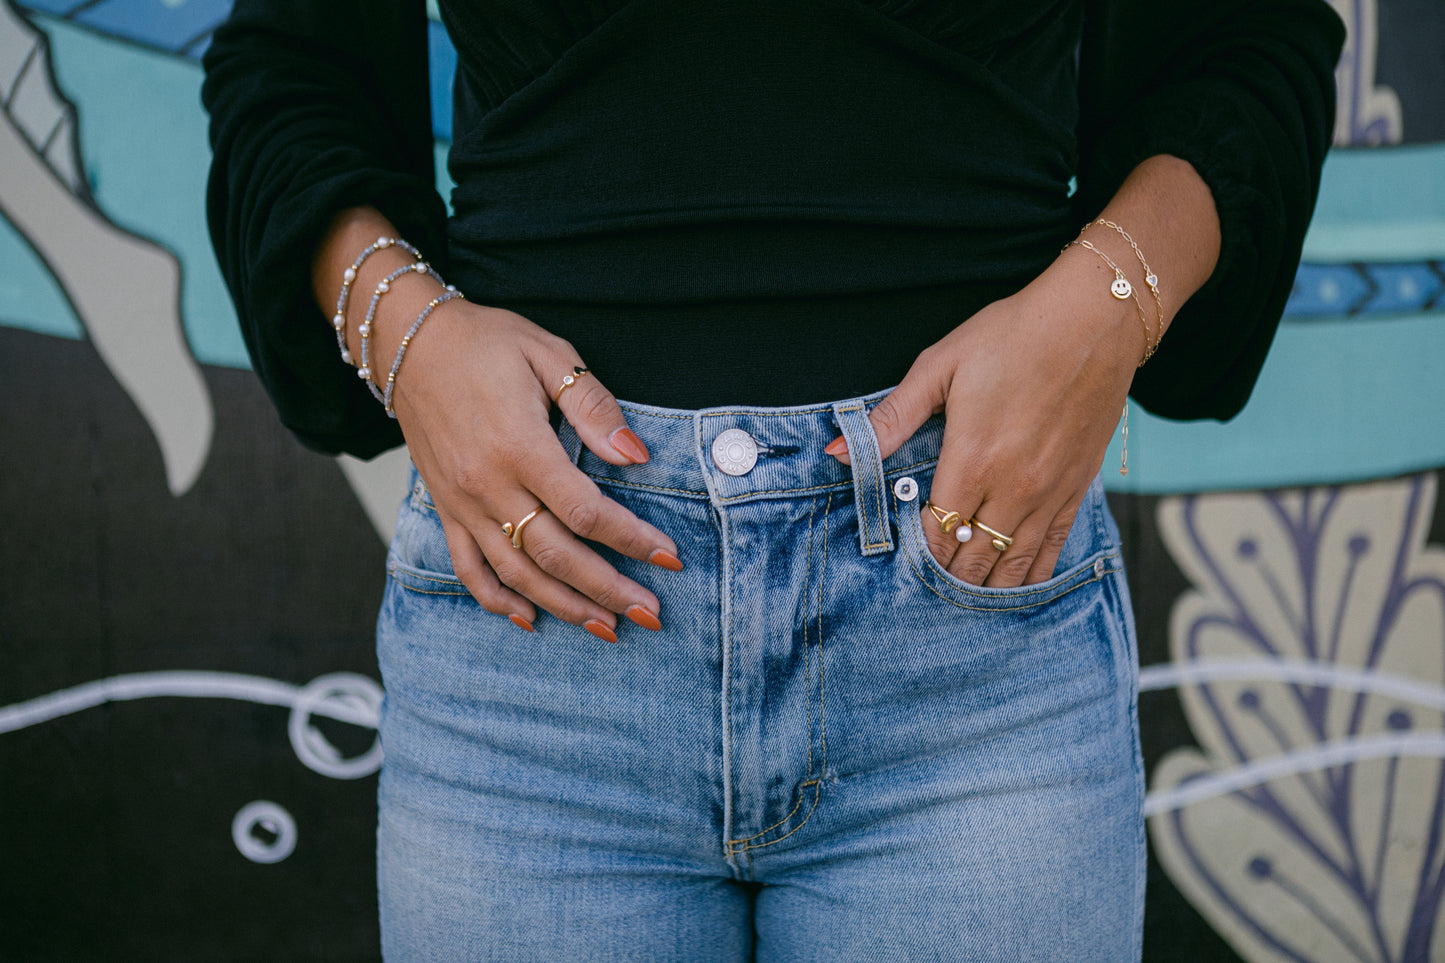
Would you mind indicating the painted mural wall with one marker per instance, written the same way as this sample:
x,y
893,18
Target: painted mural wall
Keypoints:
x,y
188,695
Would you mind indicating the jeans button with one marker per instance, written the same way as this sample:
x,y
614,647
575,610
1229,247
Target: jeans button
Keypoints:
x,y
906,489
735,451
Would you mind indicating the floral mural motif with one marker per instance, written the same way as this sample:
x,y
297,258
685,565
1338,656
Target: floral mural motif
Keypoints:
x,y
1309,658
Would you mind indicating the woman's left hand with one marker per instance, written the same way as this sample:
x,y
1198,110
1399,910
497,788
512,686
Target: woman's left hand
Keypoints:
x,y
1031,389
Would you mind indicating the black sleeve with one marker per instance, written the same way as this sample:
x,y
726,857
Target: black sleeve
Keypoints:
x,y
1244,91
315,107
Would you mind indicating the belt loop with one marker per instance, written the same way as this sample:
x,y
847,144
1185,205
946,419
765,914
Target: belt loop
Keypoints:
x,y
875,534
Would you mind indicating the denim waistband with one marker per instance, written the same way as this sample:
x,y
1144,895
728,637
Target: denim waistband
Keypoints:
x,y
790,443
789,460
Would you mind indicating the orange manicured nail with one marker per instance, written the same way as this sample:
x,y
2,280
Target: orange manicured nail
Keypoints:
x,y
600,629
838,446
521,623
630,446
644,618
665,559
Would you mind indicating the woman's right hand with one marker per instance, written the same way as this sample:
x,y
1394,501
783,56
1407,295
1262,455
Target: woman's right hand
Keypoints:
x,y
472,398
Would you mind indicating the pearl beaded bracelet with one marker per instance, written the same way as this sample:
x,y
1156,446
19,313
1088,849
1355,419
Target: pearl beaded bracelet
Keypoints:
x,y
442,298
338,320
382,287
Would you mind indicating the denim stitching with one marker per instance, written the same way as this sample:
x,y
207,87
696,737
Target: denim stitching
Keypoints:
x,y
925,576
815,782
807,670
881,516
654,414
393,569
822,700
866,515
422,591
691,492
727,675
1065,589
817,785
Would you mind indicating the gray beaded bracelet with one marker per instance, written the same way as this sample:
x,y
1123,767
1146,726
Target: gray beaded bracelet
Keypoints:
x,y
442,298
338,320
383,286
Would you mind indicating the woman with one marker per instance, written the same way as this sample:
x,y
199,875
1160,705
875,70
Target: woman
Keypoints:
x,y
873,694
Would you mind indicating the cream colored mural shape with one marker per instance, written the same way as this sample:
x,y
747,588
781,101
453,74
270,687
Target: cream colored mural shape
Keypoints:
x,y
1366,112
1309,658
124,289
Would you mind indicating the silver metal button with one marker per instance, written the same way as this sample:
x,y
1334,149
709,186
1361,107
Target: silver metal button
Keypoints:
x,y
735,451
1099,568
906,489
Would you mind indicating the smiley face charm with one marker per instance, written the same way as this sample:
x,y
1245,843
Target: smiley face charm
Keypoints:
x,y
1121,288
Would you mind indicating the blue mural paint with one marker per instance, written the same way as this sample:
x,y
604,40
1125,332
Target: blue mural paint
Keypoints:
x,y
1380,204
29,297
442,66
1343,401
1331,290
175,26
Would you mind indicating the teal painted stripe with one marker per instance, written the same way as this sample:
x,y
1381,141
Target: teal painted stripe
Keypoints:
x,y
1337,401
1380,204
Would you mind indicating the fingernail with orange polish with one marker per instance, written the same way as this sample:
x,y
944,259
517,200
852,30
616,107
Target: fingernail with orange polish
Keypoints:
x,y
838,446
644,618
630,446
600,629
665,559
521,623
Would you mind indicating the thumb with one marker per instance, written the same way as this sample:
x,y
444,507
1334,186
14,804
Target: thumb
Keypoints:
x,y
918,396
598,419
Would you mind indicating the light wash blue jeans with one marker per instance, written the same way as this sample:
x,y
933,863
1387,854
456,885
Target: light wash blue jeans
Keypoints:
x,y
834,751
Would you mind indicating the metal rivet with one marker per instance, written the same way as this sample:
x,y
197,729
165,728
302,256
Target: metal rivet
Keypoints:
x,y
735,451
1099,568
906,489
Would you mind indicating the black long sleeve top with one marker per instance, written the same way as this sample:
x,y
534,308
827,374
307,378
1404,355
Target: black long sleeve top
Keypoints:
x,y
738,202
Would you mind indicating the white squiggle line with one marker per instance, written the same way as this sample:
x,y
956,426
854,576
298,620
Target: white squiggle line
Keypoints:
x,y
195,685
1170,675
1326,754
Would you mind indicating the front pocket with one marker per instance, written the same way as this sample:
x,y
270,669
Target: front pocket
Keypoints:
x,y
418,558
1099,560
424,581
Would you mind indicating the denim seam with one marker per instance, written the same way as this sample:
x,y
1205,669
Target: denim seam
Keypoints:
x,y
810,781
752,412
394,568
608,479
422,591
1064,589
786,491
612,480
817,786
654,414
808,708
724,593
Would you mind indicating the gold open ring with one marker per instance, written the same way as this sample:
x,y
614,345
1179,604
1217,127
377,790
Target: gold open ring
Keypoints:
x,y
568,382
946,520
1000,540
515,531
951,522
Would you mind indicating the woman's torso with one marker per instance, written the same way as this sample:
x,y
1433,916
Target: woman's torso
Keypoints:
x,y
756,202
